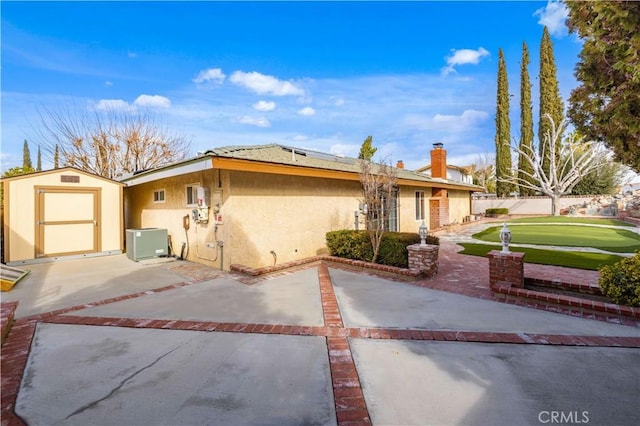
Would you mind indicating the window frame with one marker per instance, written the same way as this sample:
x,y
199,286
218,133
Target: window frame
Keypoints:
x,y
420,205
194,194
156,196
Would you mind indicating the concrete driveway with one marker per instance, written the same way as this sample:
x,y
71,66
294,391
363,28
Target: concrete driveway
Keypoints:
x,y
176,343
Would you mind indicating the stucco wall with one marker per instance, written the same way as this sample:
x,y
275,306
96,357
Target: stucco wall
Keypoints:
x,y
459,205
407,208
288,215
142,212
20,211
262,213
526,205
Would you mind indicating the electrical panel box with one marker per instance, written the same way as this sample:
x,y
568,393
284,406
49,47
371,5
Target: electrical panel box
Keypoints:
x,y
202,193
146,243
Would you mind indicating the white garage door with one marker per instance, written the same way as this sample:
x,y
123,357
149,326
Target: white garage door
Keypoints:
x,y
67,221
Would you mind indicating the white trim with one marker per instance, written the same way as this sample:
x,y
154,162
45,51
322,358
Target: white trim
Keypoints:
x,y
196,166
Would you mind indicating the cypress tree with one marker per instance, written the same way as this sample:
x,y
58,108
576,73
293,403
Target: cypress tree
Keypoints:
x,y
26,156
526,122
550,100
39,163
56,157
367,150
503,131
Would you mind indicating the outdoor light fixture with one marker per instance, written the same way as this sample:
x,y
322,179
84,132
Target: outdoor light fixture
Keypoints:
x,y
422,231
505,237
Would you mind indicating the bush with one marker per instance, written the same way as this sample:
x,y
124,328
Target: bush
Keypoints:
x,y
620,282
350,244
496,211
357,245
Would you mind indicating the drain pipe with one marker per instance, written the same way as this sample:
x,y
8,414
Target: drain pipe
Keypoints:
x,y
275,257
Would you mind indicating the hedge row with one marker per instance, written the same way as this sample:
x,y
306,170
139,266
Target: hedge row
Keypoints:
x,y
496,211
620,282
357,245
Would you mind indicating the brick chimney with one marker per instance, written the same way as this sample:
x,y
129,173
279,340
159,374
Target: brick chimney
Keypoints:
x,y
438,161
400,164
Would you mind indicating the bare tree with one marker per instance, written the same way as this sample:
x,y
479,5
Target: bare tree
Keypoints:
x,y
576,159
379,190
110,143
483,171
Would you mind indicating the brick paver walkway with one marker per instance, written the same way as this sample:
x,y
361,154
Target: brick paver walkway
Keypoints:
x,y
466,275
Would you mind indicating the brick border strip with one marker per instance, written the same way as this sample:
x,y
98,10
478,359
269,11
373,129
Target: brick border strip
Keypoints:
x,y
15,352
7,314
359,265
376,333
504,291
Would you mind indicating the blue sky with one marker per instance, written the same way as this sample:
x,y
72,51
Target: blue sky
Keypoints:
x,y
318,75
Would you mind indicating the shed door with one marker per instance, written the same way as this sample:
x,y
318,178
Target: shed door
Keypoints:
x,y
67,221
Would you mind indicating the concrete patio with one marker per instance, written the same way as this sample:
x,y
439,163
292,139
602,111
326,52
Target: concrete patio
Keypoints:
x,y
110,341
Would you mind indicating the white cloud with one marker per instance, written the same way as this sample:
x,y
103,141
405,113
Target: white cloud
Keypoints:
x,y
553,16
153,101
132,54
212,74
468,117
339,102
108,84
111,104
462,57
307,111
264,106
254,121
265,84
447,122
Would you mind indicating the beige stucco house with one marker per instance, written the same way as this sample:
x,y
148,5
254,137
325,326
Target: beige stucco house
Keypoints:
x,y
60,213
267,204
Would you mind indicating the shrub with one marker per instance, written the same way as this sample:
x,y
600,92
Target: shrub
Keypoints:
x,y
496,211
350,244
357,245
620,282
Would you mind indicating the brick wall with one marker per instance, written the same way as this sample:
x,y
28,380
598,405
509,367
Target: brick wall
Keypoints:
x,y
506,268
423,259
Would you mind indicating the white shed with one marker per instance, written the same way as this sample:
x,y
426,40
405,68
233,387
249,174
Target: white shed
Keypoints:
x,y
61,213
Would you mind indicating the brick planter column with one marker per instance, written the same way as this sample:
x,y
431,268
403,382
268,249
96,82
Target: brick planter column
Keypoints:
x,y
506,268
423,259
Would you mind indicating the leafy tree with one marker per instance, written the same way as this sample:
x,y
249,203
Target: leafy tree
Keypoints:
x,y
367,150
503,131
39,164
26,156
17,171
576,158
606,106
550,100
604,181
110,143
526,121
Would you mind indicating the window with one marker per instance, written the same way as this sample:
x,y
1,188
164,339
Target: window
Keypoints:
x,y
191,192
419,205
158,196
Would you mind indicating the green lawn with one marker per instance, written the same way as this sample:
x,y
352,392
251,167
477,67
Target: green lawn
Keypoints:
x,y
571,259
609,239
571,219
